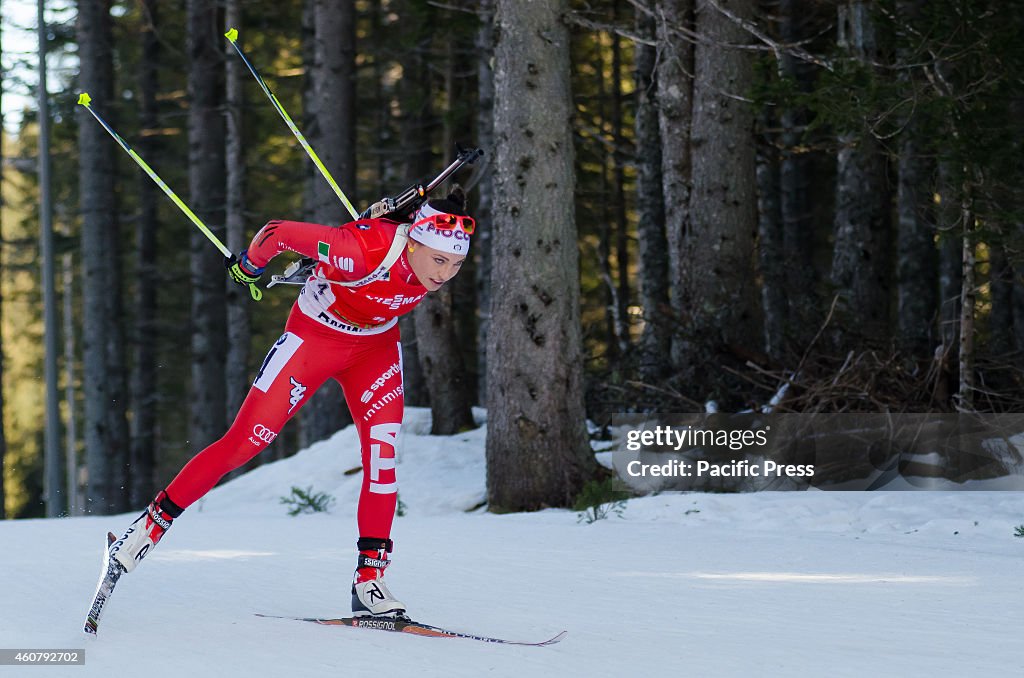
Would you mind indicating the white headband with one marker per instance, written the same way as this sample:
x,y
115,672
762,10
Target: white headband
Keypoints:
x,y
452,240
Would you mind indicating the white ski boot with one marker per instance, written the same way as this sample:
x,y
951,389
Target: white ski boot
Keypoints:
x,y
143,534
370,595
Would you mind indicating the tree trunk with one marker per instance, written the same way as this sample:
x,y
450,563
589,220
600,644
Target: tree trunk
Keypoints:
x,y
675,117
71,462
482,239
1001,283
917,262
719,297
965,394
96,191
238,301
119,440
917,258
206,185
861,259
795,194
1017,299
441,360
653,276
334,137
3,437
771,258
623,294
144,367
950,265
605,227
440,349
538,454
417,132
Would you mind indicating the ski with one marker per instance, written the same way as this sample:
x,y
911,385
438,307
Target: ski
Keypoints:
x,y
108,580
399,625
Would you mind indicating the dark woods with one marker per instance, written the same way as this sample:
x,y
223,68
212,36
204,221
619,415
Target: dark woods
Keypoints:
x,y
682,201
841,206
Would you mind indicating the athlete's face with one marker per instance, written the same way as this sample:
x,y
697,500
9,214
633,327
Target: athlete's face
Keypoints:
x,y
433,267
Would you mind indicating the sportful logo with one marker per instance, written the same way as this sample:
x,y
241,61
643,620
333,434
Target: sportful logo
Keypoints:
x,y
298,390
380,381
388,397
262,433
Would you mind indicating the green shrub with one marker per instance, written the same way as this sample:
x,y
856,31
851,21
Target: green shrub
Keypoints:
x,y
598,499
306,501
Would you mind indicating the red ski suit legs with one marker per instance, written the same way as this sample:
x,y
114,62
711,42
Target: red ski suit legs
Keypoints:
x,y
369,369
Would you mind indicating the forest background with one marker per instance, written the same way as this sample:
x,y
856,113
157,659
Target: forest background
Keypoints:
x,y
681,201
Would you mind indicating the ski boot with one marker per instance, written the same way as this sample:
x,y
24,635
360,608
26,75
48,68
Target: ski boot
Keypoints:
x,y
370,596
145,532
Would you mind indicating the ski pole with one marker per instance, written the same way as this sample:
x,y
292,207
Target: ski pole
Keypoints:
x,y
84,99
232,36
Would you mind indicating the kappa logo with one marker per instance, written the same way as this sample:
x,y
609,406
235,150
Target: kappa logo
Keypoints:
x,y
261,433
298,390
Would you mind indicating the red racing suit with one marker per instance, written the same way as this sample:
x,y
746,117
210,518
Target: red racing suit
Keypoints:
x,y
349,334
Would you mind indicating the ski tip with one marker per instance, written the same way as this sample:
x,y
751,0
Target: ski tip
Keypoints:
x,y
557,639
232,34
84,98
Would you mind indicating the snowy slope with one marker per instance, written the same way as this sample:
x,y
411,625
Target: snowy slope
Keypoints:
x,y
770,584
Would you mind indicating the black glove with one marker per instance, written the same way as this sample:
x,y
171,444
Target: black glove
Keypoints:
x,y
241,270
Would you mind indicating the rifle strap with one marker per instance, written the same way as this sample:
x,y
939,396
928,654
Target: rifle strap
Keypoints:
x,y
395,251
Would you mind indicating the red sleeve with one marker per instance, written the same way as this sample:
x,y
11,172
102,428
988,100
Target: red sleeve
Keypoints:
x,y
336,247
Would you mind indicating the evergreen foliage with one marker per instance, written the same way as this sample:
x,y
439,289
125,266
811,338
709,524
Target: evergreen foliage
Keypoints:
x,y
942,84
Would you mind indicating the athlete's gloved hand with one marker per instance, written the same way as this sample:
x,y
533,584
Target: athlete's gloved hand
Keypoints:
x,y
241,270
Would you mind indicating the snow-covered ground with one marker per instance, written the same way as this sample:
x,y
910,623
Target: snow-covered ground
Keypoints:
x,y
767,584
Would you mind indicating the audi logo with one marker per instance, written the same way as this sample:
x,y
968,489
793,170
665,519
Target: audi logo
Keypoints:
x,y
263,433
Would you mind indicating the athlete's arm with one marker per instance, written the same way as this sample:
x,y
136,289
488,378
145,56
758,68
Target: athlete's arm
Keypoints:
x,y
336,247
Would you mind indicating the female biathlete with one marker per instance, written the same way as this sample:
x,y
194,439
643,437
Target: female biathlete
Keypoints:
x,y
344,325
